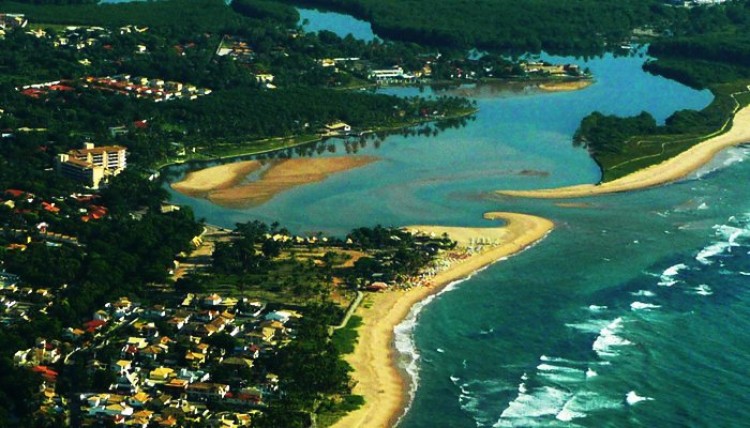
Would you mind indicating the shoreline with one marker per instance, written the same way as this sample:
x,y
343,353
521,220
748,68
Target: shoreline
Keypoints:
x,y
316,139
377,373
666,172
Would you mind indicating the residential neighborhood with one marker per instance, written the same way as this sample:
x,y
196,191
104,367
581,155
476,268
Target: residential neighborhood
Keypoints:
x,y
168,365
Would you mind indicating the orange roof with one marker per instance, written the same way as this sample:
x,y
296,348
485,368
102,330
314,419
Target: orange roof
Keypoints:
x,y
79,163
97,150
50,207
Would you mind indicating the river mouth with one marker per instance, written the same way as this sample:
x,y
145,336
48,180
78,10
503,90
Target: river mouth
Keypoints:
x,y
433,173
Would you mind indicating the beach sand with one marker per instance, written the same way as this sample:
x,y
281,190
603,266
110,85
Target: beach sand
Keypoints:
x,y
668,171
376,373
223,185
565,86
199,183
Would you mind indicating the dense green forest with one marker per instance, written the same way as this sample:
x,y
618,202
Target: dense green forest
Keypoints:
x,y
574,26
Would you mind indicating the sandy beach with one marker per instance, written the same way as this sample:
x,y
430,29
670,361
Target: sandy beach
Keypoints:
x,y
565,86
668,171
376,374
223,185
199,183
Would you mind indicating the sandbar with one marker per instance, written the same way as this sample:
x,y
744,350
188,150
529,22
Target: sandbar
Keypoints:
x,y
279,176
670,170
565,85
199,183
374,359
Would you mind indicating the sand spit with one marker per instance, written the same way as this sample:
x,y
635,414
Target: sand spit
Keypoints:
x,y
668,171
374,360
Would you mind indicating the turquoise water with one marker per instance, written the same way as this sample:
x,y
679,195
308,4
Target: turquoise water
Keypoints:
x,y
634,311
642,295
518,139
314,20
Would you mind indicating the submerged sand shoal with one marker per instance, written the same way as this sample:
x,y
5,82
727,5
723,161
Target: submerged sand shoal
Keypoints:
x,y
223,185
668,171
565,85
199,183
374,359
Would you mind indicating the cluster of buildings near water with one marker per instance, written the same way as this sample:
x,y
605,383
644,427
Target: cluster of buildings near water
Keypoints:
x,y
82,38
470,70
235,48
194,362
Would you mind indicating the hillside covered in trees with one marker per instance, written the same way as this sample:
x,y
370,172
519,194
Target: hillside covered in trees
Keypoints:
x,y
531,25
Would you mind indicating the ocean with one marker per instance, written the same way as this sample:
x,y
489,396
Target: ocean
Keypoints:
x,y
634,311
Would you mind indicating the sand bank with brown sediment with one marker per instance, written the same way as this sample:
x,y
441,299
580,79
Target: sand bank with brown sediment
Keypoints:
x,y
199,183
665,172
374,360
223,185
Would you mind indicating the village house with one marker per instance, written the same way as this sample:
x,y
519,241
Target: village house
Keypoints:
x,y
11,21
337,128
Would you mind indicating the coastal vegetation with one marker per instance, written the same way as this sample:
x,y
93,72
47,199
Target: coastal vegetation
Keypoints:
x,y
710,50
527,26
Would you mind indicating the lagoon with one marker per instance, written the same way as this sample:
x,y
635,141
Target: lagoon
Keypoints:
x,y
517,140
314,20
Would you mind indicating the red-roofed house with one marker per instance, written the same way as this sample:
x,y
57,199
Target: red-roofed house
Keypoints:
x,y
94,325
47,373
15,193
50,207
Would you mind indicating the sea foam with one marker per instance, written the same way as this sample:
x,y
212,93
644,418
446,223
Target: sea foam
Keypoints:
x,y
541,401
589,326
560,374
643,293
668,277
632,398
730,236
639,306
703,290
608,341
404,339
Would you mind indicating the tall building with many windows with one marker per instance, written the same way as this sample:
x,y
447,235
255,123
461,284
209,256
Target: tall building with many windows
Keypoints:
x,y
92,165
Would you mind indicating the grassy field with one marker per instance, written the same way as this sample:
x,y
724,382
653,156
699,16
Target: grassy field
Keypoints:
x,y
346,338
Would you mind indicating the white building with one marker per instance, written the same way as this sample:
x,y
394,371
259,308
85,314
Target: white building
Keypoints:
x,y
92,165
